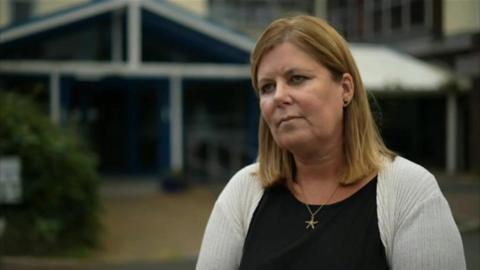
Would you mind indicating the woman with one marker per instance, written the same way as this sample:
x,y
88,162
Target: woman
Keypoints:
x,y
326,193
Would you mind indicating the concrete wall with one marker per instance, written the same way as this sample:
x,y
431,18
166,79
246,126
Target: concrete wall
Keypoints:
x,y
4,13
199,7
461,16
40,7
43,7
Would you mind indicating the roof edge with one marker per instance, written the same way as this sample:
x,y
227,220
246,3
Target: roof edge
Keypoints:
x,y
202,25
76,14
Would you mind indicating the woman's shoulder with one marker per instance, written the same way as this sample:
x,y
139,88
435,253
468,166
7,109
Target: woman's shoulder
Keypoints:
x,y
402,187
244,180
402,168
402,176
243,190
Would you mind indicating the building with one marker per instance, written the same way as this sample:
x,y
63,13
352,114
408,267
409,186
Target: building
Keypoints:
x,y
14,11
444,32
152,87
252,16
155,88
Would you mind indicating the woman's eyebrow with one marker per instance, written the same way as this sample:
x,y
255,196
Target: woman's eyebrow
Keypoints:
x,y
263,80
288,72
296,70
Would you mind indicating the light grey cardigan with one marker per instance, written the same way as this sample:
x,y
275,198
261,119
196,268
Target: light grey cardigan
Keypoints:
x,y
415,222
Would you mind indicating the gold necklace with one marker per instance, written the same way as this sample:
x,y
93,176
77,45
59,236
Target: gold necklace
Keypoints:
x,y
312,222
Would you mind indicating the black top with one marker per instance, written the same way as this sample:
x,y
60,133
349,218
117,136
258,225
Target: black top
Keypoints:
x,y
345,237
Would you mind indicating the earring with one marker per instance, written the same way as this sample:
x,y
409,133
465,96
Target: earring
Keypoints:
x,y
345,103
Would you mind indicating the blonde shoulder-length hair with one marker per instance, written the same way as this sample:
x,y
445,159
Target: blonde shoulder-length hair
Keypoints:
x,y
364,149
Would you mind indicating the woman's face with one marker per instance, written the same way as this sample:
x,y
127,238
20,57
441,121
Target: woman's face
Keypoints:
x,y
299,100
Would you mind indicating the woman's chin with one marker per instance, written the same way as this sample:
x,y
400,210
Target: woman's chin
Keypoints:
x,y
291,143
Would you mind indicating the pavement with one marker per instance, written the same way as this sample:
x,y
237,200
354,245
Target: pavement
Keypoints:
x,y
463,195
144,228
147,228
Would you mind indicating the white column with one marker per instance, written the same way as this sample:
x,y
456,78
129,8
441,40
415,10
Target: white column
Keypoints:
x,y
117,44
406,15
176,123
451,138
428,12
134,34
386,17
321,8
54,90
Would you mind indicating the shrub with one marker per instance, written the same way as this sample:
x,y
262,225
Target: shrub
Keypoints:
x,y
60,205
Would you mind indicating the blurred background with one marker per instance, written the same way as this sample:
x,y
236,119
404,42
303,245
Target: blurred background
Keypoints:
x,y
121,120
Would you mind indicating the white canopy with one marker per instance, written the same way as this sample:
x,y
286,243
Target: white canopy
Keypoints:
x,y
382,69
386,70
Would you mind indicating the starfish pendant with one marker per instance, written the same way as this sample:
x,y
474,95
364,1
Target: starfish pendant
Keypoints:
x,y
311,223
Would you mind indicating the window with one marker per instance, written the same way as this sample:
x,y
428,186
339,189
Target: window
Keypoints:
x,y
396,17
377,20
417,12
21,9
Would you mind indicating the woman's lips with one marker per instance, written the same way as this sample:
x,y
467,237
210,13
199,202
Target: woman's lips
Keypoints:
x,y
286,119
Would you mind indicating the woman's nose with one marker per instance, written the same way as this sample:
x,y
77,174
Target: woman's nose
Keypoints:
x,y
282,94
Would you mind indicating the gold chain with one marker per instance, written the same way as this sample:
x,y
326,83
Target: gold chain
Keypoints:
x,y
312,222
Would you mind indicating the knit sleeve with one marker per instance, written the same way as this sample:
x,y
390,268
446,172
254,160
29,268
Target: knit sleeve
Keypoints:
x,y
425,234
222,242
227,226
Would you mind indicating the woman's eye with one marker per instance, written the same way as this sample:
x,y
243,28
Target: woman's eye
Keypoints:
x,y
297,79
267,88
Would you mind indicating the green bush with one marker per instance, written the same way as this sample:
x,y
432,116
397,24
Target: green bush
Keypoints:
x,y
60,205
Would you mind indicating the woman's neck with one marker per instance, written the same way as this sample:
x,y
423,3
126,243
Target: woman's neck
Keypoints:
x,y
321,166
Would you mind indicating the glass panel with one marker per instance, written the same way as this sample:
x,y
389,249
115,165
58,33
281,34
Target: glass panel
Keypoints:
x,y
100,111
64,43
377,21
216,126
417,12
147,127
396,13
21,10
415,127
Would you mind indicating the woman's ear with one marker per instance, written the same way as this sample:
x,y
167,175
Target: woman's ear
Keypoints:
x,y
348,88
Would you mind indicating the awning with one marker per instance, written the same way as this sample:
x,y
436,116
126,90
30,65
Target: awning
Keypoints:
x,y
386,70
